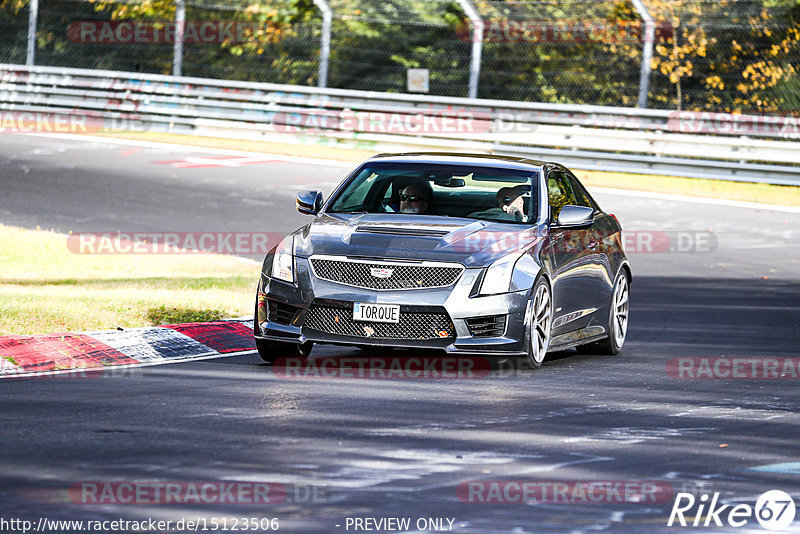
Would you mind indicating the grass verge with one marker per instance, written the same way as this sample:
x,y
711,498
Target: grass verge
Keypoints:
x,y
46,288
694,187
764,193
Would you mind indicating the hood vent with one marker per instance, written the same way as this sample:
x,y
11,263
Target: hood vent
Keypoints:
x,y
395,230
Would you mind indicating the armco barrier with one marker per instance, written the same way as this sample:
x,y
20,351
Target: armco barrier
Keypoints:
x,y
715,146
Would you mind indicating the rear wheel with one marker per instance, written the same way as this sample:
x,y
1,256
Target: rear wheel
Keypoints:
x,y
540,319
617,327
272,351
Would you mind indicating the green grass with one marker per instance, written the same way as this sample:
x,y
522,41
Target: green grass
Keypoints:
x,y
44,287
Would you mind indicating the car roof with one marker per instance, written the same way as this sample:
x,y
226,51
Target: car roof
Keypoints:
x,y
478,160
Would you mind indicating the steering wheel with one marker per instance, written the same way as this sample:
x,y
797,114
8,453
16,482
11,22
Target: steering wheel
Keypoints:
x,y
386,206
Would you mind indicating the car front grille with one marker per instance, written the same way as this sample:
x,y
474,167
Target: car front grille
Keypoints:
x,y
489,326
412,325
390,275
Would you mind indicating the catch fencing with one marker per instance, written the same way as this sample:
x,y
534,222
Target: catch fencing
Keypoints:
x,y
696,55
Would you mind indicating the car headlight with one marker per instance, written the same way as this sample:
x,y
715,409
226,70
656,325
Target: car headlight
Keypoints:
x,y
283,262
498,276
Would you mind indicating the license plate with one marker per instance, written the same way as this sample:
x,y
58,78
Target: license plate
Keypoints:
x,y
376,313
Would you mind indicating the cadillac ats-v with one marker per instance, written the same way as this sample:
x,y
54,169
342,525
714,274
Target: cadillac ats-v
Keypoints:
x,y
470,254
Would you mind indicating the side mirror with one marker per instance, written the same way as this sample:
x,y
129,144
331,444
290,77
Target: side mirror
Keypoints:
x,y
309,202
575,216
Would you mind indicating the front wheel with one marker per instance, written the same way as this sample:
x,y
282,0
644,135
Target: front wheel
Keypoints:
x,y
540,319
272,351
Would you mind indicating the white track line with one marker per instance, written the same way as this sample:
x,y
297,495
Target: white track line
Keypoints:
x,y
194,148
344,164
695,200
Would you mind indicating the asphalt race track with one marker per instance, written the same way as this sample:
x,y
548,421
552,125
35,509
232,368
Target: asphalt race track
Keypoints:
x,y
352,448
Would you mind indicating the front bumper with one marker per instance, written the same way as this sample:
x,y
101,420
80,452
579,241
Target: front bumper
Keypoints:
x,y
453,303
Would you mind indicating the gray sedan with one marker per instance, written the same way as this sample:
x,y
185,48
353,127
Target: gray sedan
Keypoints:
x,y
471,254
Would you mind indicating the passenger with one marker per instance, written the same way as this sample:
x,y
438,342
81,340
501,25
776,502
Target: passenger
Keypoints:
x,y
511,201
510,205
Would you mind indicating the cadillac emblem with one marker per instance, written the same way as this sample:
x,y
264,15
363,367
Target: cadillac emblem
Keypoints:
x,y
381,272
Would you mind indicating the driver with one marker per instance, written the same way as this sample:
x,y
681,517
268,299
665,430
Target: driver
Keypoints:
x,y
415,199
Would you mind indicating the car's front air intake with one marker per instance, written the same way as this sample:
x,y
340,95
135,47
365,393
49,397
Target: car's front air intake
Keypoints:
x,y
412,325
281,313
395,230
489,326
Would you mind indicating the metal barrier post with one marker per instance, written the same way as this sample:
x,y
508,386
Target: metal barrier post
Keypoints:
x,y
180,27
647,51
325,45
33,15
477,45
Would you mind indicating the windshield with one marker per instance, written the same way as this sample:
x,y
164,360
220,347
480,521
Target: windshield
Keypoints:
x,y
503,195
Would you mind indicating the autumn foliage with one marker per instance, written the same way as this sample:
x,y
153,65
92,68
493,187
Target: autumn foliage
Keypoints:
x,y
720,55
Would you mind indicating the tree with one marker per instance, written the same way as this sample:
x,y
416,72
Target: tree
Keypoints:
x,y
727,55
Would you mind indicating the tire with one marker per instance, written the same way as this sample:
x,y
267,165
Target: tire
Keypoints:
x,y
272,351
539,322
617,325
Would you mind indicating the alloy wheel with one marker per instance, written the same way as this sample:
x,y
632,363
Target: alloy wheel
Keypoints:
x,y
540,321
619,302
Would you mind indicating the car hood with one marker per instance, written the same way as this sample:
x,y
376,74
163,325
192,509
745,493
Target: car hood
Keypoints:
x,y
471,242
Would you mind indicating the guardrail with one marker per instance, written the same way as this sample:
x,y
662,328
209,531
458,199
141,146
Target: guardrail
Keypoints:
x,y
729,147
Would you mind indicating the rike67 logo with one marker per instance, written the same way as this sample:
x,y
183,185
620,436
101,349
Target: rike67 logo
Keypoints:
x,y
774,510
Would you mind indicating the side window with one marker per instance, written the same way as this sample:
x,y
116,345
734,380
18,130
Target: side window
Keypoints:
x,y
355,198
581,198
559,191
388,195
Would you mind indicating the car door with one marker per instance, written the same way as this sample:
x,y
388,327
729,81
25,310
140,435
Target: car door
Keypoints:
x,y
600,232
574,260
